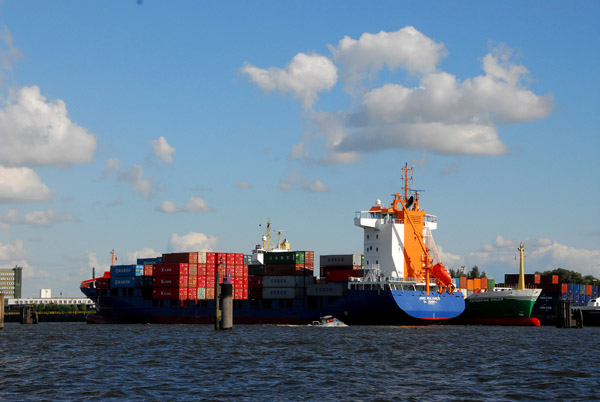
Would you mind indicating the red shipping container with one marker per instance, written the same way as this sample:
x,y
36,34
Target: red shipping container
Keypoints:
x,y
230,258
238,282
210,293
180,258
339,275
192,294
172,269
238,270
588,290
484,283
564,287
166,293
201,281
221,258
210,282
210,270
245,271
193,282
463,282
211,258
255,282
102,283
201,269
170,281
148,270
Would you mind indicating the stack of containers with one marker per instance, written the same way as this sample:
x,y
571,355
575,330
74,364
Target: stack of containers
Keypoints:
x,y
340,267
127,276
231,269
171,277
286,275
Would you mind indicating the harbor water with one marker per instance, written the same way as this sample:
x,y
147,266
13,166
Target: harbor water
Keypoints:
x,y
77,362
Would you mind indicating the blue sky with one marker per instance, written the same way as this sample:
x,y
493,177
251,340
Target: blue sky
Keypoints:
x,y
149,127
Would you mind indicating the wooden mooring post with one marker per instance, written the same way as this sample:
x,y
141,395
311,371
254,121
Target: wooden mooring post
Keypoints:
x,y
1,311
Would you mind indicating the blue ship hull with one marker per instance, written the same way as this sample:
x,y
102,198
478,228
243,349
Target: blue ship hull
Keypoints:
x,y
358,307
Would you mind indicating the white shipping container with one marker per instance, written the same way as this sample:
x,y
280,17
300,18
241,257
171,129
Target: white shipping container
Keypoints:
x,y
327,289
286,281
336,260
201,293
201,257
283,293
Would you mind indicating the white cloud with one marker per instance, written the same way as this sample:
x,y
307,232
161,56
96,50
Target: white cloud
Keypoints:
x,y
47,217
542,254
12,252
243,185
22,184
315,186
143,253
37,132
168,207
407,48
111,166
192,242
304,77
163,150
9,54
92,261
195,205
39,218
437,112
139,184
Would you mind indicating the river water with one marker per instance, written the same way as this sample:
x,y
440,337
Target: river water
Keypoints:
x,y
77,362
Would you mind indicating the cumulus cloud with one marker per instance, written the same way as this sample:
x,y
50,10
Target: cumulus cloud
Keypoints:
x,y
304,77
195,205
111,167
38,132
192,241
143,253
9,54
163,150
37,218
436,112
139,184
13,252
243,185
500,256
314,186
22,184
406,48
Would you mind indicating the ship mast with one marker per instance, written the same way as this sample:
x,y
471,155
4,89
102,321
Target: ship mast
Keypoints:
x,y
521,284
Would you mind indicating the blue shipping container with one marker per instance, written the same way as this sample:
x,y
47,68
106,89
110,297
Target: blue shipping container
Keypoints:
x,y
149,261
125,282
127,270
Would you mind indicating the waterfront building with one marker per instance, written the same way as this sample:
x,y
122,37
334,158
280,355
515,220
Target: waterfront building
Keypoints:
x,y
11,281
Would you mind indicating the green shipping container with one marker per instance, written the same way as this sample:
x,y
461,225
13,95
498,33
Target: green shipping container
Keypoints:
x,y
287,257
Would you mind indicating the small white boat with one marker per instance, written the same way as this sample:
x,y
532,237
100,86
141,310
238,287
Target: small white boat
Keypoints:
x,y
328,321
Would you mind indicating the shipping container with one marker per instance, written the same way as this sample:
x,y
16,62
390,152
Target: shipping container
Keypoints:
x,y
189,258
255,281
169,293
247,259
171,281
491,283
336,275
256,269
286,281
148,270
328,289
102,283
284,269
484,283
463,282
127,270
564,288
201,293
334,260
476,283
284,257
172,269
149,261
283,293
125,282
210,293
201,281
193,269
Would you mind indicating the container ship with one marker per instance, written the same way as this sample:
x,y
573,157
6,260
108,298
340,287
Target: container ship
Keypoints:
x,y
399,280
502,305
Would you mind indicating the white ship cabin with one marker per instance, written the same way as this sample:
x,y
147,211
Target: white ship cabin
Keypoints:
x,y
384,241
